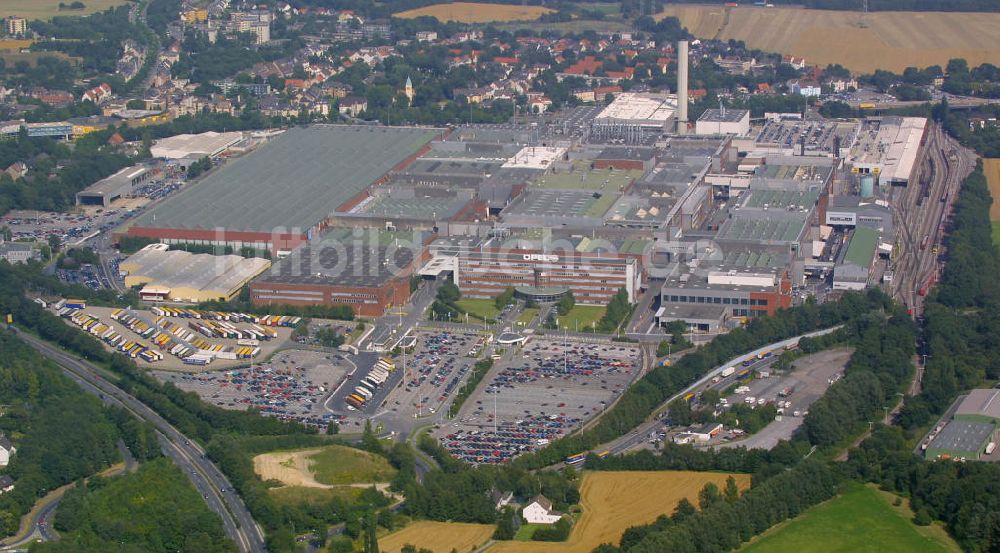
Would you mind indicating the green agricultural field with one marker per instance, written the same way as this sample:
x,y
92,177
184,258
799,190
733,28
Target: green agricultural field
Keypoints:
x,y
582,317
46,9
336,465
863,519
481,309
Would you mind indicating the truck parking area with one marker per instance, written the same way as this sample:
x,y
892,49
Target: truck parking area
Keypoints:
x,y
293,385
793,392
538,394
171,327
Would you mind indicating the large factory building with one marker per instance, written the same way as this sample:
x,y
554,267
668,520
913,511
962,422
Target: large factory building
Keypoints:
x,y
280,195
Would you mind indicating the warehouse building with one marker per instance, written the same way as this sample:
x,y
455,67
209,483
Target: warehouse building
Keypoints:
x,y
723,121
195,146
182,276
117,186
368,271
971,433
635,117
279,195
853,268
625,159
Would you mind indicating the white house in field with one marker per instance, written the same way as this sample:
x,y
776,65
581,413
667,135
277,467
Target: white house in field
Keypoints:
x,y
539,511
7,449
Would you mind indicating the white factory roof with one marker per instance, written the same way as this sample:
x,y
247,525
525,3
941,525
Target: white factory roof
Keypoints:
x,y
631,106
903,151
195,145
535,157
179,269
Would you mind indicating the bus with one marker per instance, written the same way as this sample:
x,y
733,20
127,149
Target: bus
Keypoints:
x,y
573,460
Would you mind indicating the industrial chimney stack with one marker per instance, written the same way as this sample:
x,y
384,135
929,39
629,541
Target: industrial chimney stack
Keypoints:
x,y
682,85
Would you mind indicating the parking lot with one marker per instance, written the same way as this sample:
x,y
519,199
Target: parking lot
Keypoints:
x,y
69,227
439,365
544,391
293,385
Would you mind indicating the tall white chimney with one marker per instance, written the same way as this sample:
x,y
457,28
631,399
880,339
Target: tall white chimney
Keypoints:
x,y
682,85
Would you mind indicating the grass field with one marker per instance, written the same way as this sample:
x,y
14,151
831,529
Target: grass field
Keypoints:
x,y
482,309
294,495
879,40
582,317
613,501
45,9
526,315
11,57
862,519
439,537
468,12
527,530
323,467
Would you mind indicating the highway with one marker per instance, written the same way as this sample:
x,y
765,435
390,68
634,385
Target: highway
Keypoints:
x,y
189,456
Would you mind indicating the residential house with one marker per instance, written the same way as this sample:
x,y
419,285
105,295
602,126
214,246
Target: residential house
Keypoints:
x,y
352,105
6,483
97,94
17,170
7,449
805,88
501,499
426,36
539,511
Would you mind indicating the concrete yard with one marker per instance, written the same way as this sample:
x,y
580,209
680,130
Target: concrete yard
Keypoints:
x,y
810,377
293,385
539,394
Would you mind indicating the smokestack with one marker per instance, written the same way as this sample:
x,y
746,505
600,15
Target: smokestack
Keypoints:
x,y
682,85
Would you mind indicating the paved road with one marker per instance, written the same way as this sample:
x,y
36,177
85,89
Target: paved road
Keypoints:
x,y
206,477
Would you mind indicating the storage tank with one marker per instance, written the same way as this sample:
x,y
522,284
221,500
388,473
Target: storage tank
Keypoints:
x,y
867,186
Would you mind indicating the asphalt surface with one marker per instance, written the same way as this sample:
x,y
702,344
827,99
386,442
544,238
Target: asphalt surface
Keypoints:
x,y
637,437
205,476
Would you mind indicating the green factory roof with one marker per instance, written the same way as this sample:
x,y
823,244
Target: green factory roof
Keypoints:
x,y
293,181
861,250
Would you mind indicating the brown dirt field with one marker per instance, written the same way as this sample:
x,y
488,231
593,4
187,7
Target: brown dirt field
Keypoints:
x,y
614,501
15,44
862,43
991,166
288,467
469,12
439,537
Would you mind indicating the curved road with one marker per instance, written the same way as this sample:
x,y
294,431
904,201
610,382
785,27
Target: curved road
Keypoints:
x,y
206,477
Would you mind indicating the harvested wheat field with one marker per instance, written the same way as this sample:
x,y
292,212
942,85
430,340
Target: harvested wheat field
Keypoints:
x,y
439,537
614,501
469,12
45,9
991,166
860,42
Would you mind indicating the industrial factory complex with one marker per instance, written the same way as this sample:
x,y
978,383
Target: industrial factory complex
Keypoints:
x,y
719,219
